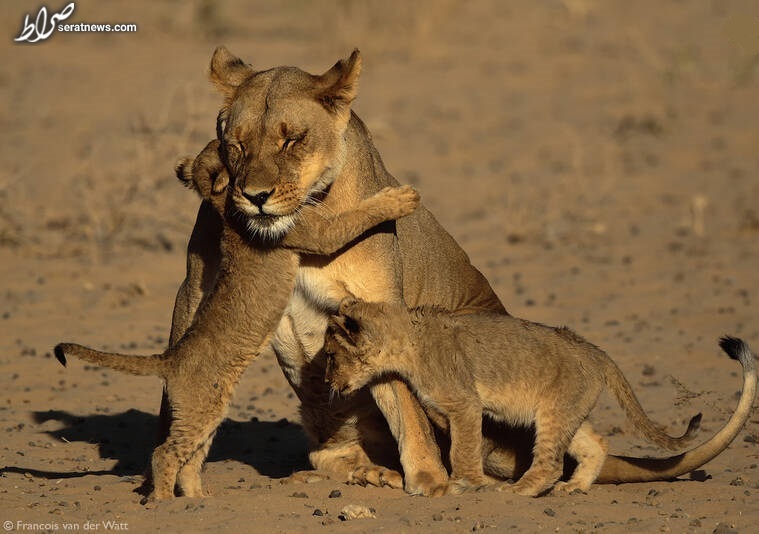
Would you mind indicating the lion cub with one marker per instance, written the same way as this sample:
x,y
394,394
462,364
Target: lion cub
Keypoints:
x,y
236,320
463,365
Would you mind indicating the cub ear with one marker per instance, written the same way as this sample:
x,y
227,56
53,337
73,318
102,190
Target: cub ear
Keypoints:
x,y
183,170
205,173
338,87
345,325
228,71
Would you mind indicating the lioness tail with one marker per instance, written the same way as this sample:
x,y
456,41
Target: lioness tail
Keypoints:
x,y
617,469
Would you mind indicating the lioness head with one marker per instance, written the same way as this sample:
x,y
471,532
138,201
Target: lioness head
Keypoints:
x,y
282,135
362,342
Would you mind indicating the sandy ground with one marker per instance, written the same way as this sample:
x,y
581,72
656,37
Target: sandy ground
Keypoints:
x,y
597,160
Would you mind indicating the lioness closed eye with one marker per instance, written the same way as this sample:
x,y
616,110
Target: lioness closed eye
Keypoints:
x,y
513,370
236,320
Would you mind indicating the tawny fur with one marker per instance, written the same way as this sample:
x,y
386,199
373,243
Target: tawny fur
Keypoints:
x,y
237,318
290,139
513,371
415,262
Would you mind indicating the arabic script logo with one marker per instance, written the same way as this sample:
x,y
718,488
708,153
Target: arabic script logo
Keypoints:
x,y
40,29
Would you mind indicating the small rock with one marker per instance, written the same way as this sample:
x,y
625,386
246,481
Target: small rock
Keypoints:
x,y
356,511
97,488
549,512
318,513
437,517
479,525
300,495
334,494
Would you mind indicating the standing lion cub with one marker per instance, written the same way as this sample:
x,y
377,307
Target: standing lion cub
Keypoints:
x,y
515,371
237,318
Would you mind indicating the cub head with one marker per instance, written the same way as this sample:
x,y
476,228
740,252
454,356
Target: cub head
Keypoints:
x,y
362,342
282,135
205,174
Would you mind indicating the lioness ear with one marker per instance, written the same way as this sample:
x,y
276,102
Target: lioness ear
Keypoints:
x,y
337,88
228,71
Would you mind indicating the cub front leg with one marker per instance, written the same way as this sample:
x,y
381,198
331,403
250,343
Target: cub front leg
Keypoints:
x,y
320,235
465,422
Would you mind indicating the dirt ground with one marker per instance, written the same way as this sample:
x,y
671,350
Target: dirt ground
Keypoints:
x,y
597,160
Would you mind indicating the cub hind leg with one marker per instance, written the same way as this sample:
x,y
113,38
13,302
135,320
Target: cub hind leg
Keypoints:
x,y
189,438
590,450
188,478
556,423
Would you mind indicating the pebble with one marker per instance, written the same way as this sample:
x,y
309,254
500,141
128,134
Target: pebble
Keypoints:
x,y
356,511
300,495
334,494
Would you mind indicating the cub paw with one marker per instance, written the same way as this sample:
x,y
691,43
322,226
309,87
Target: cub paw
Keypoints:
x,y
462,485
568,488
398,201
526,490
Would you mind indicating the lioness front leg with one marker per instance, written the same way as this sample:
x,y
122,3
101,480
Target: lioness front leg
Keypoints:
x,y
423,470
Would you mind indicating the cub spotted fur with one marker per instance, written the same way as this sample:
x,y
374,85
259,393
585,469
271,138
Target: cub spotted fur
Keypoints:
x,y
514,371
237,318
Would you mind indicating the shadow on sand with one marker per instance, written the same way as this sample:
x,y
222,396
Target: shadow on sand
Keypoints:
x,y
274,449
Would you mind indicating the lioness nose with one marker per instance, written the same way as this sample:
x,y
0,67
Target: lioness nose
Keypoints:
x,y
259,199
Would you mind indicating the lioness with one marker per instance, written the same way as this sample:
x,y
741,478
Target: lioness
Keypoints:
x,y
514,371
291,139
237,318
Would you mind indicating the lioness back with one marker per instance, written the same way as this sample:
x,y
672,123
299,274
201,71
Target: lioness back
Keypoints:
x,y
436,270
